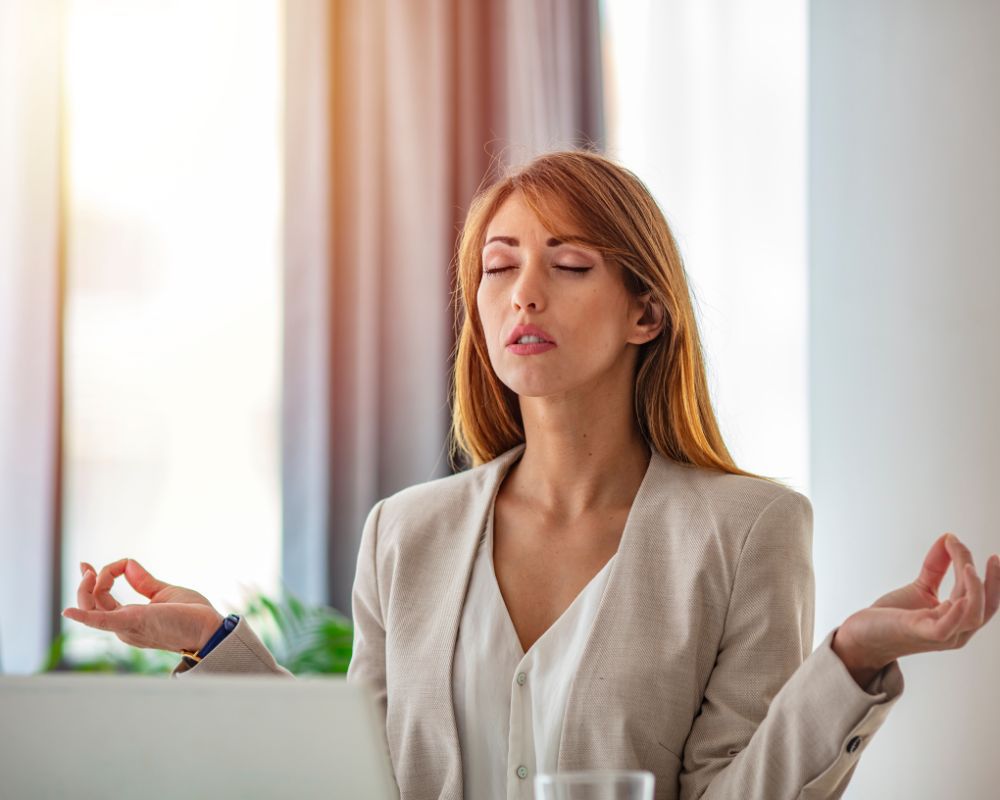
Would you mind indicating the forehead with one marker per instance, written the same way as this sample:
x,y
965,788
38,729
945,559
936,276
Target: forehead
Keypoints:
x,y
516,212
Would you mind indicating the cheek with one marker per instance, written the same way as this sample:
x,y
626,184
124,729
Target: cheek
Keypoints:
x,y
482,306
491,297
599,335
599,320
486,306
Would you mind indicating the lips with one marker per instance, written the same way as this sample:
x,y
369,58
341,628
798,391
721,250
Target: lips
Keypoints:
x,y
530,349
529,330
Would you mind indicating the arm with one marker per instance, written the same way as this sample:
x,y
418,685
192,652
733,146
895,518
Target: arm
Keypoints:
x,y
774,723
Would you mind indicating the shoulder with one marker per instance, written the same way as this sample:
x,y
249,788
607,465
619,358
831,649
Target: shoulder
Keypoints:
x,y
442,503
435,497
732,505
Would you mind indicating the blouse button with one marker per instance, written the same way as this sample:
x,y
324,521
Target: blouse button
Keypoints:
x,y
522,771
521,678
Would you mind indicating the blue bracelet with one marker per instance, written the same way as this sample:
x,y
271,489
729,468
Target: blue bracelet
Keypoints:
x,y
228,624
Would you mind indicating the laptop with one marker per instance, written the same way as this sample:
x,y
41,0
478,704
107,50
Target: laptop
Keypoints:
x,y
218,736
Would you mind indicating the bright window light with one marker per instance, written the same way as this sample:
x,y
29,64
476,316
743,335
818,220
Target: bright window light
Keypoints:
x,y
173,311
707,104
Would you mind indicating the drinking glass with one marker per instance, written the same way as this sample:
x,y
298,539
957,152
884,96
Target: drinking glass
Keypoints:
x,y
595,785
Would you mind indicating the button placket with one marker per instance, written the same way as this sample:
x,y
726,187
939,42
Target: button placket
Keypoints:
x,y
520,752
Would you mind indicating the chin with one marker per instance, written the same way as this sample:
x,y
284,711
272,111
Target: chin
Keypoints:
x,y
547,380
537,385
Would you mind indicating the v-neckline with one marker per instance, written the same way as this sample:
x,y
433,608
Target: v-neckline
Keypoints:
x,y
453,571
488,544
608,565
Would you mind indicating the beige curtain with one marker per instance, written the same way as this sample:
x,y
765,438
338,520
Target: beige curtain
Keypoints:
x,y
395,109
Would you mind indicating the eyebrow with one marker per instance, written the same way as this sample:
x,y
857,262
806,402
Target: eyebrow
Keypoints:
x,y
513,242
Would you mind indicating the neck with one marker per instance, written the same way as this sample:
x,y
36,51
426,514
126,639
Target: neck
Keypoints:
x,y
580,456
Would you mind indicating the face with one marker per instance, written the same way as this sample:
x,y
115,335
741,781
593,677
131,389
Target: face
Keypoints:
x,y
576,302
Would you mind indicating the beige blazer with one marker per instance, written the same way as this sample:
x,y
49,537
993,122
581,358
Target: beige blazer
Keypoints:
x,y
698,667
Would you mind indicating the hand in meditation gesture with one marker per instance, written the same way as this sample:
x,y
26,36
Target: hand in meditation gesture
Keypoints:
x,y
174,619
911,619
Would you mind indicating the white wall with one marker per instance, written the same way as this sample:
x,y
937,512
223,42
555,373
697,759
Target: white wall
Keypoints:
x,y
905,352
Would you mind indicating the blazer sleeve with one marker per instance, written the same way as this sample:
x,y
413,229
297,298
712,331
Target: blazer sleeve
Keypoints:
x,y
774,723
241,652
367,665
368,652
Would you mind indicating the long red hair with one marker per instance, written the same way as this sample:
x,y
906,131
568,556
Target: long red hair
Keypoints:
x,y
621,220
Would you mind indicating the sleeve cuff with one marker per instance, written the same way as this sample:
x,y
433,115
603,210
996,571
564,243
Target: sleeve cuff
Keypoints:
x,y
848,714
886,686
838,700
241,652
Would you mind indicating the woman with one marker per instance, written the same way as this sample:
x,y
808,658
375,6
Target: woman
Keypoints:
x,y
604,588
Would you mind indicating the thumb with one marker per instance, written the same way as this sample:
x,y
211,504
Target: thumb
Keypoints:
x,y
140,580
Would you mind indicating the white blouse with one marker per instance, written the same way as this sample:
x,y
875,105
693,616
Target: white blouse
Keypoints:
x,y
509,705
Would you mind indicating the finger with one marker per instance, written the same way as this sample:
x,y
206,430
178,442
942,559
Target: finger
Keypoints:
x,y
105,620
85,591
144,583
935,566
105,580
84,566
960,555
988,592
945,628
941,609
992,588
972,619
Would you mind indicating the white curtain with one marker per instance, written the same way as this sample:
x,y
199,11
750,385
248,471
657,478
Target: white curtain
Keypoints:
x,y
29,330
707,103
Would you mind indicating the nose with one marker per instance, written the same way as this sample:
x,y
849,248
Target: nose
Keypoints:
x,y
529,289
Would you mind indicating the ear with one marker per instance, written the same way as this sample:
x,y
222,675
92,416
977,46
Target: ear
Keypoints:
x,y
648,319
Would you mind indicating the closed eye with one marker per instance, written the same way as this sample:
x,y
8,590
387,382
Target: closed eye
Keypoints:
x,y
563,267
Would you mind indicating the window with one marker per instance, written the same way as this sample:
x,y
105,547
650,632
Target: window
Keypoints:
x,y
173,301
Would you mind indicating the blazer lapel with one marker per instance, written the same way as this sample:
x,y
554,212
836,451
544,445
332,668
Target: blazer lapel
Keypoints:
x,y
453,573
631,564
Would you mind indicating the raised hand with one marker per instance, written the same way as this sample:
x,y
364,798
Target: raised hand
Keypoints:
x,y
175,618
911,619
